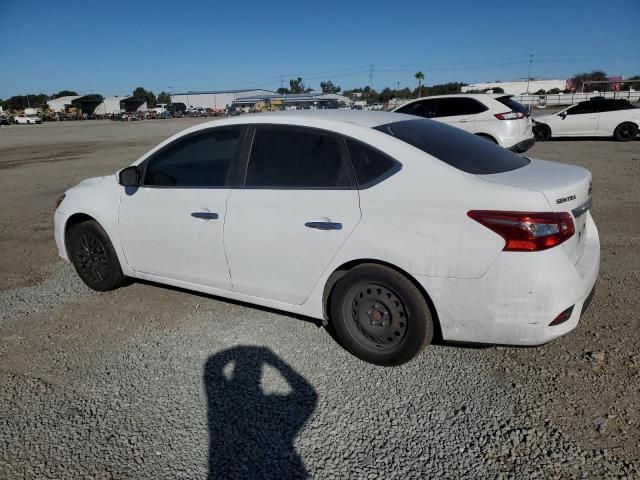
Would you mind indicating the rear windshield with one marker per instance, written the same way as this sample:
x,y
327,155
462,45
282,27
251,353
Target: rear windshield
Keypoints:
x,y
513,105
462,150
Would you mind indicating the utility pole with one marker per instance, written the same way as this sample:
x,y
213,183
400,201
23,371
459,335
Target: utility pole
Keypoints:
x,y
281,81
529,72
371,77
397,94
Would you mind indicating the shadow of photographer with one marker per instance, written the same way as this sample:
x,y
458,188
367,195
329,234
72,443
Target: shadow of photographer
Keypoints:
x,y
251,433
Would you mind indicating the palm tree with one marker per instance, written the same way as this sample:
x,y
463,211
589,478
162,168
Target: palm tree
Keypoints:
x,y
420,77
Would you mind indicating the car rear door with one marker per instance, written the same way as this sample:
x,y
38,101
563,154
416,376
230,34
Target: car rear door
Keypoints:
x,y
459,112
296,208
172,225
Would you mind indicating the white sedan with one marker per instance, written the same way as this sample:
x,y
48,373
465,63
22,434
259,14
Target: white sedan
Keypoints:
x,y
386,226
27,119
597,117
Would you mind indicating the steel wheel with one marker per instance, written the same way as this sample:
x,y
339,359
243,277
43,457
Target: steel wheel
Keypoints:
x,y
378,318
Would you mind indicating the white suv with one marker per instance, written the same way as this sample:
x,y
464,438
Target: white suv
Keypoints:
x,y
498,118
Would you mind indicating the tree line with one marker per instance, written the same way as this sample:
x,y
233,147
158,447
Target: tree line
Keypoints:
x,y
39,100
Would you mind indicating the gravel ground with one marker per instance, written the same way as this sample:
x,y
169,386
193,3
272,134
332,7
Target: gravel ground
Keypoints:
x,y
156,382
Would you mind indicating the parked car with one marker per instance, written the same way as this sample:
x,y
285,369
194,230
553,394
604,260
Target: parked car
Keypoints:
x,y
387,227
27,119
597,117
4,120
498,118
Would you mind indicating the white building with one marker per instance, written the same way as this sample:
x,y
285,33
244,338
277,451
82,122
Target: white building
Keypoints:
x,y
215,99
518,87
61,104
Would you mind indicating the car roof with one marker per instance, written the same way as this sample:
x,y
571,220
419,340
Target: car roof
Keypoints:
x,y
467,95
364,118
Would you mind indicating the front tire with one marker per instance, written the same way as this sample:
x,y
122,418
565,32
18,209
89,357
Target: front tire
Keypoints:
x,y
625,131
380,316
94,257
542,132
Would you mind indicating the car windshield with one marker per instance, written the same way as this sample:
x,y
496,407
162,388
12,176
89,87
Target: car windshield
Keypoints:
x,y
462,150
513,105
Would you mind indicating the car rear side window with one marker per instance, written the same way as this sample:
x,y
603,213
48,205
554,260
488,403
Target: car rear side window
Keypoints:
x,y
462,150
452,107
289,157
370,165
200,160
513,105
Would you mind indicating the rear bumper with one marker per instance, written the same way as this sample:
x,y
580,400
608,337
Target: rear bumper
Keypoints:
x,y
518,297
523,146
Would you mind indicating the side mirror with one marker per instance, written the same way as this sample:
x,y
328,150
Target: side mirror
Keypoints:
x,y
563,115
129,177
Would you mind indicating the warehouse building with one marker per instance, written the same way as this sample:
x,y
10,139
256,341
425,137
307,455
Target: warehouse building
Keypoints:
x,y
61,104
120,104
85,103
314,100
518,87
215,99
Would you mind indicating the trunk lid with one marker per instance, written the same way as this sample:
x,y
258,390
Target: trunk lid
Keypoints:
x,y
567,188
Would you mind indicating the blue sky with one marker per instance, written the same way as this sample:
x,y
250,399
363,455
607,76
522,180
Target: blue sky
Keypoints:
x,y
111,47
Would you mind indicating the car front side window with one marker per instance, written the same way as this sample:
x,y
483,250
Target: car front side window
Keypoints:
x,y
582,108
199,160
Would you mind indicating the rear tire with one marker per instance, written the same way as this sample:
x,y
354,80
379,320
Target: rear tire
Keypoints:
x,y
625,131
542,132
380,316
93,256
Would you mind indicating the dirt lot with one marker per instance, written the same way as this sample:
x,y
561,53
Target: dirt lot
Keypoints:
x,y
84,377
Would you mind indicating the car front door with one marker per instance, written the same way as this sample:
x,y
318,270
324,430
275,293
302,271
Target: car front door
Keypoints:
x,y
297,207
172,225
579,120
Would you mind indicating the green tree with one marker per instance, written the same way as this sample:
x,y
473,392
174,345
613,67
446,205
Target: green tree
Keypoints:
x,y
283,91
20,102
148,96
329,87
64,93
420,77
164,97
94,96
297,86
579,80
444,88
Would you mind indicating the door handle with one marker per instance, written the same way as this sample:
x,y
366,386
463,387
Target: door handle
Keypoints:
x,y
324,225
205,215
464,121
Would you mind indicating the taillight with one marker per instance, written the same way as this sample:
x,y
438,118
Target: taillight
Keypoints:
x,y
563,317
527,231
509,116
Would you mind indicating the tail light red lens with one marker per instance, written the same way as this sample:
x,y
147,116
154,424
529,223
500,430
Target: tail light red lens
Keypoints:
x,y
527,231
563,317
509,115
